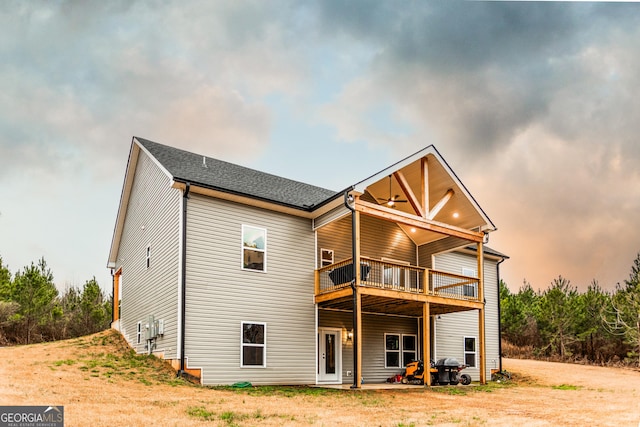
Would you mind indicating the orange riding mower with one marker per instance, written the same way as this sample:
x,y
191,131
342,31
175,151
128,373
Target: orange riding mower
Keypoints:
x,y
444,371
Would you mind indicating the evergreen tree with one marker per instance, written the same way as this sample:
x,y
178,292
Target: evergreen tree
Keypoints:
x,y
34,291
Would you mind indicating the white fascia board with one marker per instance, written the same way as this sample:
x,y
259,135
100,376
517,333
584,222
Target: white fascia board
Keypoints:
x,y
124,202
362,185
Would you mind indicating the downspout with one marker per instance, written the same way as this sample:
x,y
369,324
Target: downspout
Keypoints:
x,y
183,305
353,288
499,317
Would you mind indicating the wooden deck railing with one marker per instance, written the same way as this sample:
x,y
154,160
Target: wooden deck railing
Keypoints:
x,y
397,277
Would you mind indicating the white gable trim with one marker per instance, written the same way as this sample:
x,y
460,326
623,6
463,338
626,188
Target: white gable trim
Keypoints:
x,y
362,185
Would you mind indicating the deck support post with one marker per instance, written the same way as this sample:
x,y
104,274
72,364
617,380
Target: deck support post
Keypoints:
x,y
426,343
358,300
481,320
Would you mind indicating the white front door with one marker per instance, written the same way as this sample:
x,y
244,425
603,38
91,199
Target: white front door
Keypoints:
x,y
329,355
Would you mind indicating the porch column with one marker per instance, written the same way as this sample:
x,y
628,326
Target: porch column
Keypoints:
x,y
358,307
358,342
426,342
481,335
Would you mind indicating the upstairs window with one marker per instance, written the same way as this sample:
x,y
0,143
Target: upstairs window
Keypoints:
x,y
326,257
470,289
254,248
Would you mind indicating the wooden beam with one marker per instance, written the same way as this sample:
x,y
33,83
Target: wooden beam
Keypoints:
x,y
454,302
426,343
411,197
424,184
356,252
337,294
438,207
400,217
392,294
359,339
481,316
468,282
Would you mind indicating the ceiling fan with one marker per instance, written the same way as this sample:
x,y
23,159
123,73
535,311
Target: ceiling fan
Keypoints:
x,y
391,200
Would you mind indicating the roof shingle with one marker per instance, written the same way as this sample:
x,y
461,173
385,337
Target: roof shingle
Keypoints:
x,y
219,175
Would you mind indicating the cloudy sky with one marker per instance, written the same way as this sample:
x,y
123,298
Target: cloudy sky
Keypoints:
x,y
534,105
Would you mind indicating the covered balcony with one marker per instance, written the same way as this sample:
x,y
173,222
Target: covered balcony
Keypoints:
x,y
396,288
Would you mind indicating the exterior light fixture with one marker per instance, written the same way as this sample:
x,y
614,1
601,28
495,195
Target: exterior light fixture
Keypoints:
x,y
350,335
456,214
413,229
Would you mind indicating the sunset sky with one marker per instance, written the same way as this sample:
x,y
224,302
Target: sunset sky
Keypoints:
x,y
534,105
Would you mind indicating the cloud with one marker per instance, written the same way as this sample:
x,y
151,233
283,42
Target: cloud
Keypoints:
x,y
532,103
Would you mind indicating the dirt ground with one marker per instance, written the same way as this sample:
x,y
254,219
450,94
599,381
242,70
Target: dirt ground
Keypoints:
x,y
98,389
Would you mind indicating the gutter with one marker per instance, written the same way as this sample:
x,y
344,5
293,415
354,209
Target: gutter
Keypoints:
x,y
304,208
183,305
353,288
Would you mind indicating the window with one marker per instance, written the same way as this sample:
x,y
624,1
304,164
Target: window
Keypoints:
x,y
139,340
392,351
254,248
392,274
408,349
399,348
470,351
254,345
326,257
469,290
148,256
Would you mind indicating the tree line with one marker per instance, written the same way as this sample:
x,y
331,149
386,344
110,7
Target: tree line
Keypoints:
x,y
560,323
33,310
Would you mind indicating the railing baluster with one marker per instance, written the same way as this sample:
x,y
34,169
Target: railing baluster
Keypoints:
x,y
399,277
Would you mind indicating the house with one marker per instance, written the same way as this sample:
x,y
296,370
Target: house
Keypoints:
x,y
233,274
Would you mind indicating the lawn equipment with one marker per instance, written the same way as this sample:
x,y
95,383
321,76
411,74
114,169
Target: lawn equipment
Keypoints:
x,y
444,371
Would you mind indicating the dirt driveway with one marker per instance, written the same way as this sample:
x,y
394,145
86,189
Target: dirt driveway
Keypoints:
x,y
98,386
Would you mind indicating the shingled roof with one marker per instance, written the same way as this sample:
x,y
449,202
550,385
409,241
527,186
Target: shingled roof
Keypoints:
x,y
219,175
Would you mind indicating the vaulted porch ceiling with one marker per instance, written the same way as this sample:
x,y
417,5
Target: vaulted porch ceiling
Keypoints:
x,y
427,188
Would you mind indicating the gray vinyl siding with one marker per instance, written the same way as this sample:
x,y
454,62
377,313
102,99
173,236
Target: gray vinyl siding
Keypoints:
x,y
220,295
452,328
378,239
446,244
152,219
330,216
374,328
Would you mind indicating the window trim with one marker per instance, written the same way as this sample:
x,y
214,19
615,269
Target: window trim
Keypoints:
x,y
243,344
403,351
470,290
330,260
139,333
243,248
399,350
475,352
